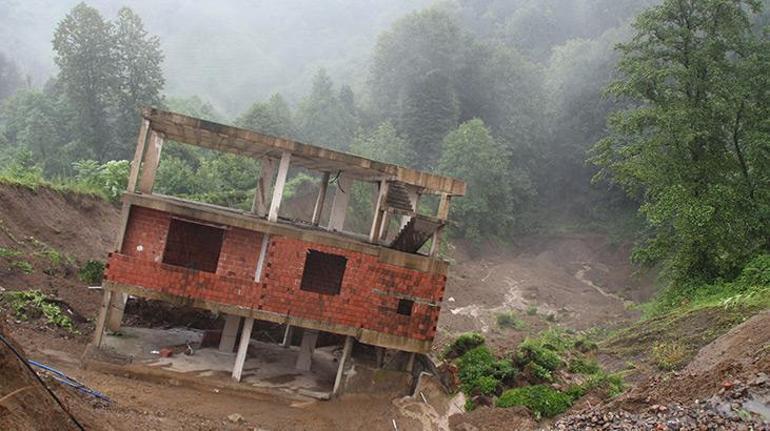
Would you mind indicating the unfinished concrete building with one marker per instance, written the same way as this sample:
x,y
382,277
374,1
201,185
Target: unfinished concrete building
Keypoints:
x,y
383,289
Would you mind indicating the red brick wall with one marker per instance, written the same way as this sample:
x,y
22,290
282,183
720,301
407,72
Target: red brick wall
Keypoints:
x,y
368,297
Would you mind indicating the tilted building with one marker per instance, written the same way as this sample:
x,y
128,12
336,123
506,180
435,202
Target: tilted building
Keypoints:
x,y
384,289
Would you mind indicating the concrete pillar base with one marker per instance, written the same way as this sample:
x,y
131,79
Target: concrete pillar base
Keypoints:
x,y
306,348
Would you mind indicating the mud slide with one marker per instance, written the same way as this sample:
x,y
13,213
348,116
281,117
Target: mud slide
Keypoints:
x,y
578,281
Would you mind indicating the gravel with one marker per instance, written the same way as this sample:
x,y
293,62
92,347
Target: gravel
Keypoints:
x,y
737,406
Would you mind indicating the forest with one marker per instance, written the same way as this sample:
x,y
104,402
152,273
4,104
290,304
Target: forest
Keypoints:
x,y
644,119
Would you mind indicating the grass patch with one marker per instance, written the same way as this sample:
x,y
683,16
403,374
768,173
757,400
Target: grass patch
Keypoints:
x,y
33,303
23,266
92,272
542,400
583,366
669,355
509,320
532,310
7,252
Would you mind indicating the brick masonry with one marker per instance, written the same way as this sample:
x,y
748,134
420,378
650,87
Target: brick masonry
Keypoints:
x,y
368,297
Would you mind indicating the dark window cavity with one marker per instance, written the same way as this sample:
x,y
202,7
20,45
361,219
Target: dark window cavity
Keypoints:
x,y
323,272
405,307
193,245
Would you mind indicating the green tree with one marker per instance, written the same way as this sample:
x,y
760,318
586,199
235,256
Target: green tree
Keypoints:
x,y
139,78
489,210
87,71
38,121
10,78
694,148
272,117
430,110
383,144
322,119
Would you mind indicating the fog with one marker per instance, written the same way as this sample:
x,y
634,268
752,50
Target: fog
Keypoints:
x,y
229,52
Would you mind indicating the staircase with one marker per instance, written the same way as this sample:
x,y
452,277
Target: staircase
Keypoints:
x,y
416,233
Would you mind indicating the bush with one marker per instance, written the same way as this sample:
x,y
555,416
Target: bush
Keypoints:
x,y
612,383
92,272
542,400
481,373
463,343
537,353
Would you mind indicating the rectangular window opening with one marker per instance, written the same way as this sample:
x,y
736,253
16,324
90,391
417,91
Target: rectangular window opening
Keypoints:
x,y
193,245
323,272
405,307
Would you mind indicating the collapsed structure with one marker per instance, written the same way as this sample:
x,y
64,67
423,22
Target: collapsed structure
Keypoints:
x,y
383,289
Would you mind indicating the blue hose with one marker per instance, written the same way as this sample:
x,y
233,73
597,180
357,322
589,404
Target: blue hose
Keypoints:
x,y
69,381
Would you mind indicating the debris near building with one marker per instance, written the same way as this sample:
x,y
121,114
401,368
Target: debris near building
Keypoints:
x,y
383,289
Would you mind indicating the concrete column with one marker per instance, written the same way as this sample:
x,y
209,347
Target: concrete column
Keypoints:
x,y
343,361
117,308
410,362
243,347
229,333
150,161
340,202
104,313
280,183
306,348
267,171
288,334
319,202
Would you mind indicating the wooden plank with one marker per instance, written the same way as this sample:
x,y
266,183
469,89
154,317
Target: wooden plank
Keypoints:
x,y
136,162
280,183
319,202
150,163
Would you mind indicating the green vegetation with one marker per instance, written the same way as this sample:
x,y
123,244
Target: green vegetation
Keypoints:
x,y
481,373
92,272
511,321
532,310
669,355
684,318
33,303
542,400
23,266
524,378
463,343
691,147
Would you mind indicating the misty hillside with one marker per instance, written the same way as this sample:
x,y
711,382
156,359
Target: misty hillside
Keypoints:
x,y
231,53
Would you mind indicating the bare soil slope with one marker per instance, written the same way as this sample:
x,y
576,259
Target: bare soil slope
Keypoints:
x,y
576,280
46,235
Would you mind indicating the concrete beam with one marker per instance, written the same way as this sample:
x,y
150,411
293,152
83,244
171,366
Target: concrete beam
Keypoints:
x,y
229,333
306,348
243,348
